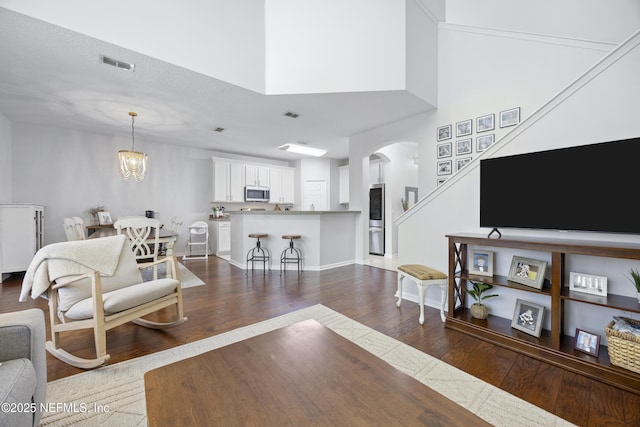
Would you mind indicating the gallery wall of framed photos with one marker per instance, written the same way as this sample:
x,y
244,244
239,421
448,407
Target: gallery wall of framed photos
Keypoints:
x,y
458,143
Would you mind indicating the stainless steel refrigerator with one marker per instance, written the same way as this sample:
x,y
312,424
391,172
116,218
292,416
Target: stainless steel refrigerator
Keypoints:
x,y
376,219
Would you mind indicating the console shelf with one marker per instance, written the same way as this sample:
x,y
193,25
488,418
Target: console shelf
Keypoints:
x,y
553,346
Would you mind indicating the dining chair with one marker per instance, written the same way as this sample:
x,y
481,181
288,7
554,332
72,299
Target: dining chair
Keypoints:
x,y
70,229
143,234
79,226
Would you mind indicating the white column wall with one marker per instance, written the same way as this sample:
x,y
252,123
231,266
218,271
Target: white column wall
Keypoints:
x,y
6,182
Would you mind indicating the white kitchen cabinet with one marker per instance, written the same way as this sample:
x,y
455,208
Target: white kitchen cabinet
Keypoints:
x,y
221,231
344,184
228,181
256,175
21,235
282,186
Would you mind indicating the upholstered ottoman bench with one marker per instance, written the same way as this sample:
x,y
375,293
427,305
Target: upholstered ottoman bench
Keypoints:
x,y
424,277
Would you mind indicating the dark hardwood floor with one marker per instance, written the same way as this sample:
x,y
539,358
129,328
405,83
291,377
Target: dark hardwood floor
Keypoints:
x,y
232,299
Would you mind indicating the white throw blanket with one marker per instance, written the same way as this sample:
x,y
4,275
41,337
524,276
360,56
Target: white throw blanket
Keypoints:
x,y
59,260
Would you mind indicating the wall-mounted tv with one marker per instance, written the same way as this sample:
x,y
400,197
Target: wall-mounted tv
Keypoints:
x,y
592,187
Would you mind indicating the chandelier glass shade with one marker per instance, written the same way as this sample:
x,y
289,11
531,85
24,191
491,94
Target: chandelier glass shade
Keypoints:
x,y
132,163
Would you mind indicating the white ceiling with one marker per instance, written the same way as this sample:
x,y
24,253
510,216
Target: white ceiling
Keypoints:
x,y
52,76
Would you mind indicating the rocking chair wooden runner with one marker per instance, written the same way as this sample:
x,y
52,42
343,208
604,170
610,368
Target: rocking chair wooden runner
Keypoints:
x,y
101,302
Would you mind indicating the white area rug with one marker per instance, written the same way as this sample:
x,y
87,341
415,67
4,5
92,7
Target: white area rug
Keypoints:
x,y
114,395
187,278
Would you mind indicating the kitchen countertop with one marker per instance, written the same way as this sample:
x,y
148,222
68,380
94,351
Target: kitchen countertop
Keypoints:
x,y
272,212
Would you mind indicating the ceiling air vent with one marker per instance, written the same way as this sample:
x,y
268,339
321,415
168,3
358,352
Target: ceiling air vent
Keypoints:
x,y
292,114
219,129
118,64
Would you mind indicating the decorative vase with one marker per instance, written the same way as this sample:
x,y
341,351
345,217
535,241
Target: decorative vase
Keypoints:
x,y
479,311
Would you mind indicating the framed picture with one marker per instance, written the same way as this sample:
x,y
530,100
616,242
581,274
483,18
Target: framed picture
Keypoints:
x,y
527,317
444,167
463,128
527,271
509,117
444,133
464,146
588,283
444,150
481,262
104,218
484,142
460,163
485,123
587,342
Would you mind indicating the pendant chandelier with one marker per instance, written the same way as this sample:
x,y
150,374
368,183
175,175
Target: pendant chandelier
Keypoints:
x,y
132,163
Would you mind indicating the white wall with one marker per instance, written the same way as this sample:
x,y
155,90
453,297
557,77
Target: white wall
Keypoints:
x,y
71,171
6,192
607,21
324,46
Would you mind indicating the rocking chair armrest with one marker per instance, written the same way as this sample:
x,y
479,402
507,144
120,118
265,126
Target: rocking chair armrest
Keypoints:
x,y
143,265
89,275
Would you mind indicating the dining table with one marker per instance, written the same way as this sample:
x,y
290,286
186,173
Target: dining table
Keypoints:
x,y
167,237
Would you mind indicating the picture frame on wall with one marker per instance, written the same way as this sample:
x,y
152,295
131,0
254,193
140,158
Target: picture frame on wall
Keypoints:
x,y
444,150
509,117
527,317
444,167
464,128
464,146
481,262
527,271
104,218
587,342
444,133
485,123
462,162
485,141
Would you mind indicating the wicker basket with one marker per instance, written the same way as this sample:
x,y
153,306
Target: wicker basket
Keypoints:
x,y
624,348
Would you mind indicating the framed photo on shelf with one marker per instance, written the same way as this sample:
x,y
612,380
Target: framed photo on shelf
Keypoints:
x,y
444,167
444,150
464,146
460,163
484,142
104,218
444,133
527,317
588,283
509,117
481,262
527,271
587,342
485,123
464,128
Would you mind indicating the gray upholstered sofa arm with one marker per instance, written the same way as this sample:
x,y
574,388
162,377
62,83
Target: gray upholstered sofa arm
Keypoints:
x,y
23,336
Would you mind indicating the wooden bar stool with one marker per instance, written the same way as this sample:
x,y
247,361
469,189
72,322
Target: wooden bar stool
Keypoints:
x,y
424,277
291,255
259,253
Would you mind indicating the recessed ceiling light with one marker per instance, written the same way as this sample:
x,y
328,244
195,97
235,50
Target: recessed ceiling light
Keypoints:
x,y
301,149
292,114
118,64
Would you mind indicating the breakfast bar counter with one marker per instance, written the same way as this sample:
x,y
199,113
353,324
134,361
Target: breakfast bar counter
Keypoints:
x,y
327,238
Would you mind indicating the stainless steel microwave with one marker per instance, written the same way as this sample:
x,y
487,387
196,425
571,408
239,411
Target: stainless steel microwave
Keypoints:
x,y
256,194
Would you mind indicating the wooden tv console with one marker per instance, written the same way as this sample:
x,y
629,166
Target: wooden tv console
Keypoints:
x,y
553,346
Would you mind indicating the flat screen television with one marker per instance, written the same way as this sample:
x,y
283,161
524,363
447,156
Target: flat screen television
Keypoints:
x,y
592,187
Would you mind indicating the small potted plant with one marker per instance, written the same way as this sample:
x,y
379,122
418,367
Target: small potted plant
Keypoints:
x,y
478,309
635,279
